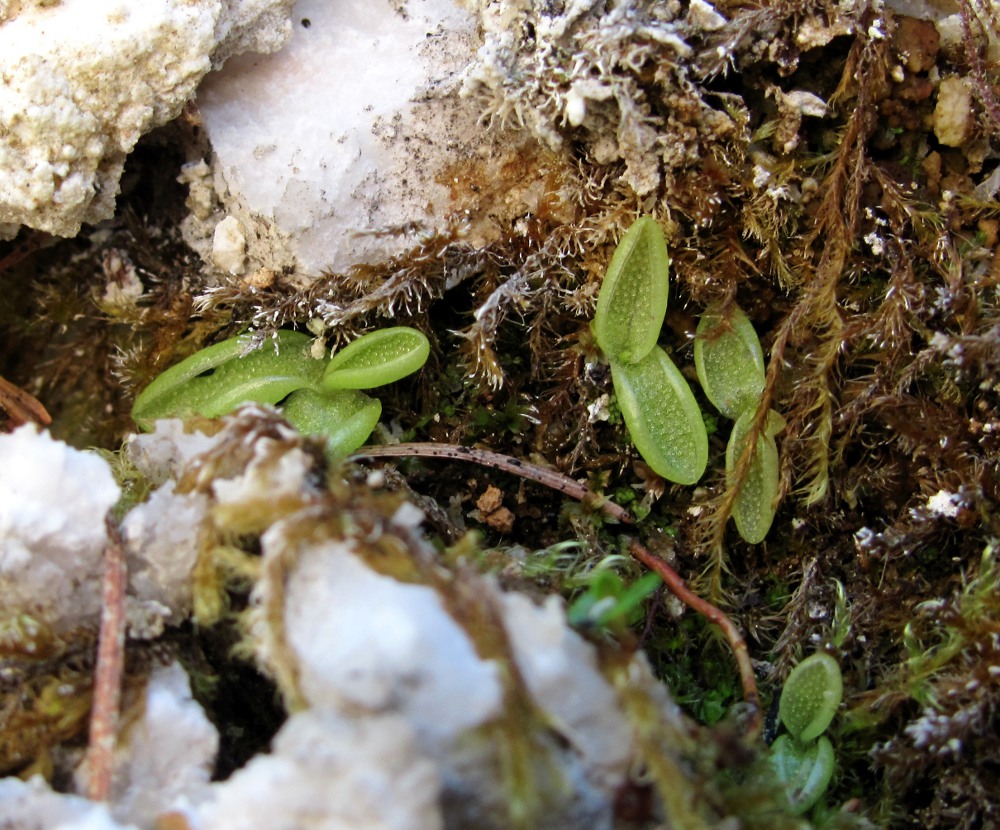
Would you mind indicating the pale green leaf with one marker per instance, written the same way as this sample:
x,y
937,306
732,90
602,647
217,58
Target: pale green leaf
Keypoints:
x,y
662,416
811,696
756,503
378,358
216,380
729,360
804,769
633,296
346,417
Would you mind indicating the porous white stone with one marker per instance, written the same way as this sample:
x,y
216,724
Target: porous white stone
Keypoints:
x,y
163,453
367,643
82,81
560,670
953,115
162,537
164,757
31,805
329,772
342,147
53,503
229,246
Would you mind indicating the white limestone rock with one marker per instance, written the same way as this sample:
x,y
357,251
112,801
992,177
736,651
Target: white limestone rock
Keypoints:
x,y
327,772
163,453
365,643
83,81
162,542
351,142
560,670
165,757
53,503
31,805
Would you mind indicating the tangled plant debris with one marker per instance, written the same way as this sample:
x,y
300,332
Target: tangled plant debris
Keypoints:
x,y
829,169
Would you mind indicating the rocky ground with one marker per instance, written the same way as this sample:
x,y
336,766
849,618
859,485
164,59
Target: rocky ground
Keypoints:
x,y
830,168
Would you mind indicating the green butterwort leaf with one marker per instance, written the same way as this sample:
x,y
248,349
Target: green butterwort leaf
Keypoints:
x,y
378,358
346,417
729,360
811,696
216,380
805,769
756,503
662,416
633,296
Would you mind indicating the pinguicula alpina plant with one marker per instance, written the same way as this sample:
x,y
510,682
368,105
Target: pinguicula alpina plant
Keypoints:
x,y
317,396
660,411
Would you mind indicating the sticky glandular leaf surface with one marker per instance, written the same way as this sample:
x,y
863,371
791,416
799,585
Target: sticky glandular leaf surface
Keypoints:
x,y
633,296
377,358
729,360
805,769
662,416
756,503
216,380
811,696
345,417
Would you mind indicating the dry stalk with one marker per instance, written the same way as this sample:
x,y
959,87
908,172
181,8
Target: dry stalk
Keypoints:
x,y
108,671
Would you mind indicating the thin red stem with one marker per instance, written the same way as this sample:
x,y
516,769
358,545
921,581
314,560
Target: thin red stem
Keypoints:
x,y
108,671
715,616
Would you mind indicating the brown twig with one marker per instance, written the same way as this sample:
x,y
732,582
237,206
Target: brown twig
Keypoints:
x,y
108,672
20,406
715,616
533,472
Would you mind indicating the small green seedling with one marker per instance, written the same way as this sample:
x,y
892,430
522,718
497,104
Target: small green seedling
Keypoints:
x,y
660,412
608,601
217,379
377,359
804,769
730,364
320,396
804,758
662,416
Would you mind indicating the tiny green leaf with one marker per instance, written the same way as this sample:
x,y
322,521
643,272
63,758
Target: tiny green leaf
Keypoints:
x,y
805,769
756,503
608,600
811,696
729,360
633,296
377,358
216,380
662,416
346,417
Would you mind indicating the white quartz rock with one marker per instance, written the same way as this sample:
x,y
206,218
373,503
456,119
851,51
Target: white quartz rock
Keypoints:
x,y
367,643
162,538
329,772
84,80
353,128
165,757
53,503
165,452
31,805
560,670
